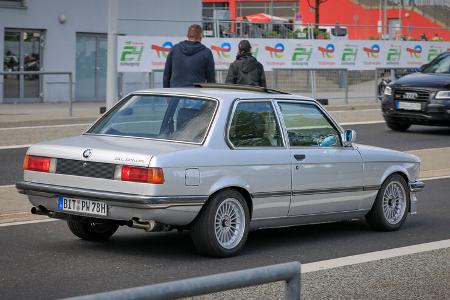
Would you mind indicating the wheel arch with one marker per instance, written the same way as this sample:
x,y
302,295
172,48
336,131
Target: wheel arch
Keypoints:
x,y
244,192
397,169
404,175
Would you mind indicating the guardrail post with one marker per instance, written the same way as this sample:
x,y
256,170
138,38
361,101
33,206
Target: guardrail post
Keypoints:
x,y
376,85
346,85
293,287
150,80
313,84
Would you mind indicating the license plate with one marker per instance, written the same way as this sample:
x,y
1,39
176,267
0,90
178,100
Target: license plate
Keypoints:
x,y
409,105
82,206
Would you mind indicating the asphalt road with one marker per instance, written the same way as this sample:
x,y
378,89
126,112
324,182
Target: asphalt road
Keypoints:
x,y
11,161
418,137
45,261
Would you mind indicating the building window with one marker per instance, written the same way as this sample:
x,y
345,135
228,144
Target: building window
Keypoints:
x,y
208,9
22,52
13,3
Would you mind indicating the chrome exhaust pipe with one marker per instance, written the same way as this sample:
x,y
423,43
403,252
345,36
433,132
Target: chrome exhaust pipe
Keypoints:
x,y
145,225
42,211
38,211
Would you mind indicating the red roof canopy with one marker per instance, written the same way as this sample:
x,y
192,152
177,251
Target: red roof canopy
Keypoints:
x,y
264,18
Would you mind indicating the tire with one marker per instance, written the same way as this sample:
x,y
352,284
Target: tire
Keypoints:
x,y
227,236
391,206
91,231
398,125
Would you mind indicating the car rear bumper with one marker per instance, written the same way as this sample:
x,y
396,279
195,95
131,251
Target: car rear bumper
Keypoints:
x,y
171,210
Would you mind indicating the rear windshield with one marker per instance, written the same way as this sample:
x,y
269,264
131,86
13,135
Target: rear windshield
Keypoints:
x,y
158,117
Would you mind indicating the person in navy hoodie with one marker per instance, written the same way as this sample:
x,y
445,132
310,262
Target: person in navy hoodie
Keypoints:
x,y
189,62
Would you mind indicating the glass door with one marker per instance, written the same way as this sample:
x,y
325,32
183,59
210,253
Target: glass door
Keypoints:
x,y
91,57
22,52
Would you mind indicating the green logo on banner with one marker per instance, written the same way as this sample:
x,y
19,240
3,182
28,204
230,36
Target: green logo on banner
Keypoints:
x,y
349,54
131,53
302,54
432,54
393,55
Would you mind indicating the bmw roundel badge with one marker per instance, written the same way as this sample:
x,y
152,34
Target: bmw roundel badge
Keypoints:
x,y
87,153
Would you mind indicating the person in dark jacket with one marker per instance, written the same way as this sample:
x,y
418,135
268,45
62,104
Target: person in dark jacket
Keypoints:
x,y
246,69
189,62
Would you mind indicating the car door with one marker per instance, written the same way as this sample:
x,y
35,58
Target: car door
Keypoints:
x,y
326,176
260,157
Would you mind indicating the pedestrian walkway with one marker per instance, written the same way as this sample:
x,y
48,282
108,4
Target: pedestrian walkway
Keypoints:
x,y
38,114
14,115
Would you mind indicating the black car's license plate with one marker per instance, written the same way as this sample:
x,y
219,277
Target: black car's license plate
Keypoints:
x,y
408,105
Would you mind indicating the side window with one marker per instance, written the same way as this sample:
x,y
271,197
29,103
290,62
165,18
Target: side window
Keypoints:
x,y
307,126
254,124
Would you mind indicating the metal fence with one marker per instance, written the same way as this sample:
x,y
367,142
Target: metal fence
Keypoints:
x,y
288,272
421,2
338,86
41,75
404,30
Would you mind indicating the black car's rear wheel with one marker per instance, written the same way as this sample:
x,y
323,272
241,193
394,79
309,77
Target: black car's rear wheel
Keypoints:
x,y
91,231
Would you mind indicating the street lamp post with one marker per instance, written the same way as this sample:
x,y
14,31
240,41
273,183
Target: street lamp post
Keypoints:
x,y
111,70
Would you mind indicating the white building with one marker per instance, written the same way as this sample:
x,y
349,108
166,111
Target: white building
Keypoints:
x,y
70,36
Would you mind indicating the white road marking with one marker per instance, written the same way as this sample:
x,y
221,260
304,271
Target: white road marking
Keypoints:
x,y
27,222
45,126
14,147
361,123
435,178
336,262
373,256
8,186
352,110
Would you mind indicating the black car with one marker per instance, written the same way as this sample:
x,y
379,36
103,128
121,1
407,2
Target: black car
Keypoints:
x,y
420,98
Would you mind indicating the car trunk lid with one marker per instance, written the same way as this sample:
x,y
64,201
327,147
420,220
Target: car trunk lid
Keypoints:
x,y
107,149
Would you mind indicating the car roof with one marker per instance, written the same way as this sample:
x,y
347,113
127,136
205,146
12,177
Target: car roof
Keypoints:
x,y
222,93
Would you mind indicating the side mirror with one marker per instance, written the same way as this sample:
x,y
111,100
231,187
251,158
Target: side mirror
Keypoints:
x,y
349,137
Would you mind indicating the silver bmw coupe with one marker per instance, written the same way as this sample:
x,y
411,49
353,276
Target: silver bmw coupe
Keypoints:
x,y
220,161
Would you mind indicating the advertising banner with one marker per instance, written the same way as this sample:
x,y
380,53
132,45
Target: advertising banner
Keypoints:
x,y
144,54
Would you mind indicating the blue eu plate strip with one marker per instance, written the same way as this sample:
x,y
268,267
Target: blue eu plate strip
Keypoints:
x,y
60,203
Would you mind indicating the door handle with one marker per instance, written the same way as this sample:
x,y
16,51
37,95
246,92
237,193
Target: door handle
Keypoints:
x,y
299,157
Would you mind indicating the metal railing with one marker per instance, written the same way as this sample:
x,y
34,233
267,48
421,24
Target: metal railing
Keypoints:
x,y
357,30
39,73
338,86
288,272
422,2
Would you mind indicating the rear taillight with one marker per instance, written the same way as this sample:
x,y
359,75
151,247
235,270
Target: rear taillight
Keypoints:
x,y
138,174
39,164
